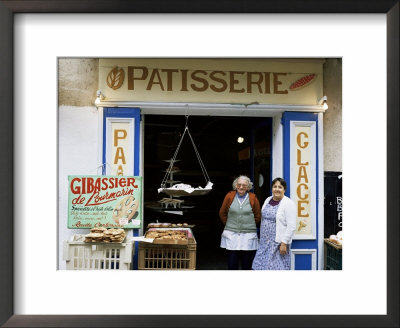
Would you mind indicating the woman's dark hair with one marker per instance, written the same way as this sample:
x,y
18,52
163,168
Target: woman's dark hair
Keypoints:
x,y
283,182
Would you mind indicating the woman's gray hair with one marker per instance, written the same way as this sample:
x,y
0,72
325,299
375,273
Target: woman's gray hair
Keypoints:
x,y
243,177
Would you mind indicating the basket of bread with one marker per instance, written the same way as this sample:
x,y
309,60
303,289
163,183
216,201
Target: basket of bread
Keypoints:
x,y
103,235
170,236
169,225
337,239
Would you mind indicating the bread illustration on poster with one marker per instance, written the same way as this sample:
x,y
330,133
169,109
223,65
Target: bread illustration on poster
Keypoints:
x,y
125,210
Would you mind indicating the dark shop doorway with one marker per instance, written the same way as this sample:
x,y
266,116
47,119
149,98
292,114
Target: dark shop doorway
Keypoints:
x,y
224,158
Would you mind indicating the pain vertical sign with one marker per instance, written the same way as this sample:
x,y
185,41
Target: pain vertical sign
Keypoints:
x,y
303,177
121,152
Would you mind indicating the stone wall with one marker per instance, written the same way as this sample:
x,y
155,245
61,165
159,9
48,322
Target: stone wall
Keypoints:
x,y
333,116
78,80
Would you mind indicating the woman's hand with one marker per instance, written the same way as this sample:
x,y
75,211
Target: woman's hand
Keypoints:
x,y
283,249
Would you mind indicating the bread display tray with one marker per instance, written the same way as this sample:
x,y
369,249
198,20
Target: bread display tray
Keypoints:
x,y
81,238
330,242
187,231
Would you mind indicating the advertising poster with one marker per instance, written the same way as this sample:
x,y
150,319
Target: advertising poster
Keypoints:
x,y
104,201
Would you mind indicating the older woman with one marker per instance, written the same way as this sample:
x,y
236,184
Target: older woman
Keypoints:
x,y
240,212
278,225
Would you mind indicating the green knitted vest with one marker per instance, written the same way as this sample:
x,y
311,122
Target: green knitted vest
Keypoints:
x,y
241,217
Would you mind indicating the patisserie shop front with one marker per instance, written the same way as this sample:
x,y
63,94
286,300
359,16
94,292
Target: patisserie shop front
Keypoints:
x,y
185,128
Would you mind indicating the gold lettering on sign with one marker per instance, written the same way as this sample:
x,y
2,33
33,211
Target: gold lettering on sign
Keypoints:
x,y
277,83
257,82
223,83
155,78
299,158
132,77
119,154
301,195
267,89
184,80
303,151
117,136
299,139
169,77
302,174
233,82
120,170
203,81
174,79
301,208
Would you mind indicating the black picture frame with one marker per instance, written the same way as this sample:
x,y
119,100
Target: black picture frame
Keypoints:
x,y
7,11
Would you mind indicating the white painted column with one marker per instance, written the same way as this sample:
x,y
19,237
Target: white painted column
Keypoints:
x,y
321,191
277,147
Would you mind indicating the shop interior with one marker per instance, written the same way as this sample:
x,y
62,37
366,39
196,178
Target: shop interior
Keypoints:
x,y
224,156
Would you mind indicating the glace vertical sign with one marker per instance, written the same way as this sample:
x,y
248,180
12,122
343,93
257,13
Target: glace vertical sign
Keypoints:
x,y
303,177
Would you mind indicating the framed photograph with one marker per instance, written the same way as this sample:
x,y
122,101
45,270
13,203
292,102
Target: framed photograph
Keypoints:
x,y
34,293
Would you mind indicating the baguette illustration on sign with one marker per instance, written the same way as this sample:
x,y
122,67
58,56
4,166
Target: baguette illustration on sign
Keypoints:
x,y
302,82
115,78
125,210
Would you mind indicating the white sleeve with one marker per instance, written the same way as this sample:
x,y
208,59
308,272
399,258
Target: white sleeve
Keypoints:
x,y
290,215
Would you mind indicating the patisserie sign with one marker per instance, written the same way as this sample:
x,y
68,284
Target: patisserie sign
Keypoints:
x,y
104,201
211,80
